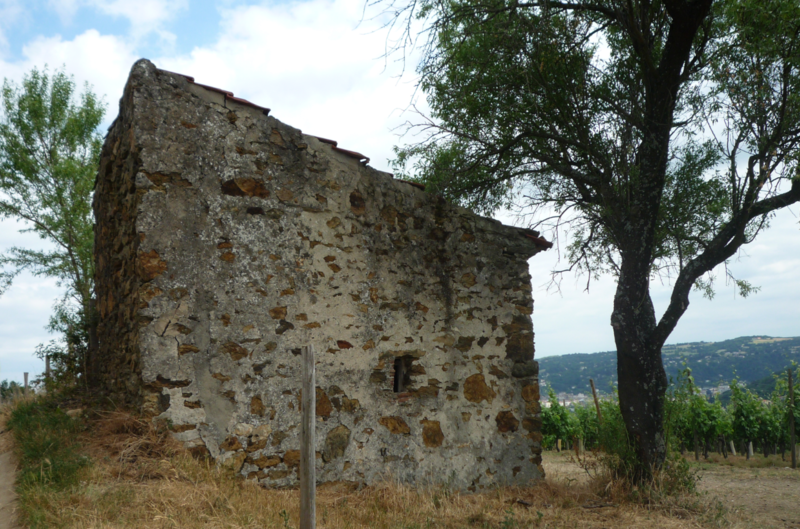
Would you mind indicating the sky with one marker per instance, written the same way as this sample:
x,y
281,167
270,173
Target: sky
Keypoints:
x,y
320,66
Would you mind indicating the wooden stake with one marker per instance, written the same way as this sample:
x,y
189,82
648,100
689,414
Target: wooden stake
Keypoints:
x,y
596,403
308,471
47,367
26,382
791,421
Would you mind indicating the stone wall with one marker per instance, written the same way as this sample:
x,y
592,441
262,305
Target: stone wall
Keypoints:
x,y
119,272
227,240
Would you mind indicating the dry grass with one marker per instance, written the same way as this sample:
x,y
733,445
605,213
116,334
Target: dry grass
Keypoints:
x,y
140,478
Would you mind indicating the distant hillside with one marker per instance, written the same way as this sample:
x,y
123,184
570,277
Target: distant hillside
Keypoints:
x,y
749,357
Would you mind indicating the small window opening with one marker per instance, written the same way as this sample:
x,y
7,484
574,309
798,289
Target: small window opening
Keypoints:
x,y
402,373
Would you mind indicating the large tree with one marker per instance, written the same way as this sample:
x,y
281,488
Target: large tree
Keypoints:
x,y
49,153
664,133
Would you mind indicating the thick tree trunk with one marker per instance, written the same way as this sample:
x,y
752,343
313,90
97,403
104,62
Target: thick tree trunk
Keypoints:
x,y
640,371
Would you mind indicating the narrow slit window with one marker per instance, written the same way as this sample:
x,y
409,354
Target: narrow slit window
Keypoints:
x,y
402,373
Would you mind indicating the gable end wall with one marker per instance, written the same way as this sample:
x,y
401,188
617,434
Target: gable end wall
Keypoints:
x,y
227,240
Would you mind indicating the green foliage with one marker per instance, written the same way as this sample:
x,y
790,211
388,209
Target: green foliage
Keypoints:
x,y
689,417
538,104
747,413
557,422
50,456
49,154
617,451
588,426
8,389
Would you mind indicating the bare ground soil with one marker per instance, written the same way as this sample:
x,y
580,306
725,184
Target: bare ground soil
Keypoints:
x,y
753,497
764,497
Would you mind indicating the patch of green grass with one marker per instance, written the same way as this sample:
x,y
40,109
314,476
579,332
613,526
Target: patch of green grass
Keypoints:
x,y
50,459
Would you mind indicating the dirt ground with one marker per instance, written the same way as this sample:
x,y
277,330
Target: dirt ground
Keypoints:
x,y
754,497
7,472
767,497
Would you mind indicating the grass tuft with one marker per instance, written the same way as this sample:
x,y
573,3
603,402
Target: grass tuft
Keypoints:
x,y
49,454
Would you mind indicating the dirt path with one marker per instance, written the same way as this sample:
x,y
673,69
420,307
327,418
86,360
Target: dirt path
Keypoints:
x,y
8,469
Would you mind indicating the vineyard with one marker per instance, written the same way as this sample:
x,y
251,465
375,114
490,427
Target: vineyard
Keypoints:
x,y
748,424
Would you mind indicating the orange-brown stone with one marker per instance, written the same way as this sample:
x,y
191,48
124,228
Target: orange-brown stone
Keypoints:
x,y
395,424
278,313
476,390
264,461
231,444
292,458
506,422
186,348
257,406
530,393
236,351
324,406
245,187
432,434
151,265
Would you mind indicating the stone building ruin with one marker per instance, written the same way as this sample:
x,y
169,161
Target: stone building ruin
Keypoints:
x,y
227,240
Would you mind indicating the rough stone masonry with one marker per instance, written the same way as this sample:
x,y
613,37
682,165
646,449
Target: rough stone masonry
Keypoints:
x,y
227,240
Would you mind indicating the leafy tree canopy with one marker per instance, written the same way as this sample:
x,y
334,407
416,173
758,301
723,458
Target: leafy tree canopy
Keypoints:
x,y
551,104
662,133
49,151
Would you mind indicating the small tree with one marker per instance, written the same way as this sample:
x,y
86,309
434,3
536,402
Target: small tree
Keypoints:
x,y
49,151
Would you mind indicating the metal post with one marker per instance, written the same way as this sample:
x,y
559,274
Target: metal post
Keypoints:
x,y
791,420
308,478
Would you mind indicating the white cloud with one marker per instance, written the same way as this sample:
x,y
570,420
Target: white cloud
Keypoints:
x,y
101,60
144,16
312,65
